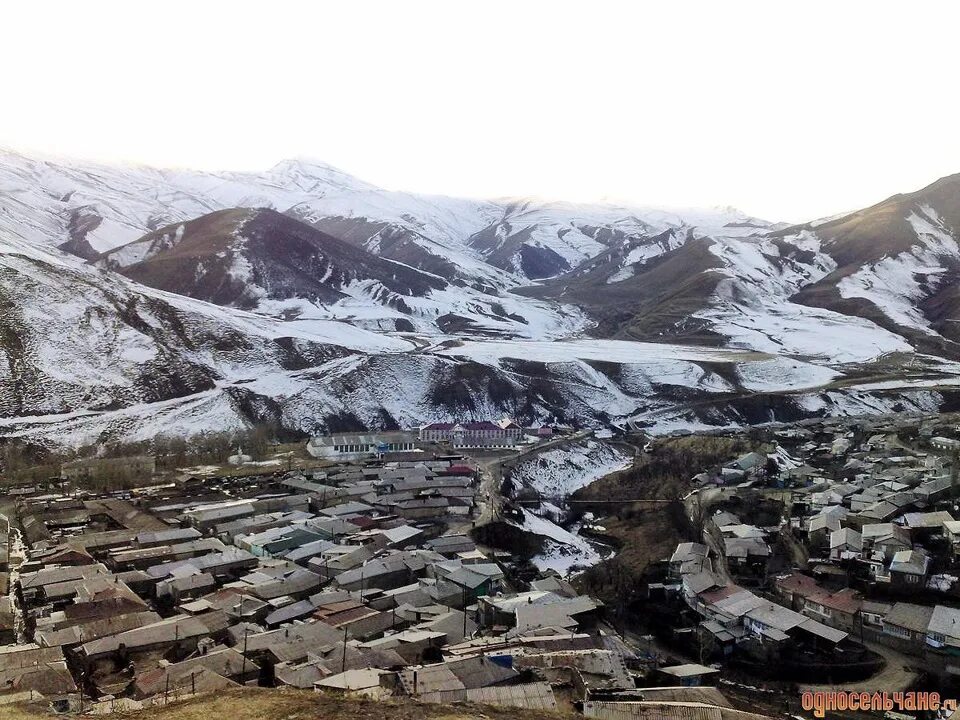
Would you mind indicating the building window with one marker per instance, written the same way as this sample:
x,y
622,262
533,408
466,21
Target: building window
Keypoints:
x,y
897,631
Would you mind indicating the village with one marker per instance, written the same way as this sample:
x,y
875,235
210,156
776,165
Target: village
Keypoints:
x,y
360,578
827,554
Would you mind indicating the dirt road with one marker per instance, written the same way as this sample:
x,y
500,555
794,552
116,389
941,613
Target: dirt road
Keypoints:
x,y
894,676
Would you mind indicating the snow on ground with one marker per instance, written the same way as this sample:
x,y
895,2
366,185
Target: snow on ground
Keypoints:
x,y
103,366
644,252
661,363
791,329
669,421
617,351
897,285
906,383
855,402
783,374
750,306
562,549
181,417
785,460
558,473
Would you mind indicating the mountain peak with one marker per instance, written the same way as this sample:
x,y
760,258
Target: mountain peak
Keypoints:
x,y
307,173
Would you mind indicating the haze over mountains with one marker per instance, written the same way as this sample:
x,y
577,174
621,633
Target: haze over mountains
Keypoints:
x,y
136,300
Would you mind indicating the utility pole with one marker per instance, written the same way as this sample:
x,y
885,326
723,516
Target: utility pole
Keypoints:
x,y
243,670
954,471
343,663
362,570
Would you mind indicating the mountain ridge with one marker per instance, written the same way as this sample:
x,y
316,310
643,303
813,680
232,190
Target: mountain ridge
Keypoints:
x,y
197,300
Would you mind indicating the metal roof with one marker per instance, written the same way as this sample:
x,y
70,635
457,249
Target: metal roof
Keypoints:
x,y
915,618
529,696
689,670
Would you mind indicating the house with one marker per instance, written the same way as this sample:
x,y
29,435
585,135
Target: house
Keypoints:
x,y
909,569
689,557
424,508
873,612
776,624
355,618
28,668
908,623
165,537
8,634
230,562
749,554
922,526
223,662
837,609
451,545
845,543
205,518
753,463
689,675
740,530
158,637
362,682
461,674
180,588
943,630
724,518
526,696
887,538
713,635
385,573
292,643
292,581
595,670
822,524
803,473
412,645
472,583
951,531
347,509
934,490
945,444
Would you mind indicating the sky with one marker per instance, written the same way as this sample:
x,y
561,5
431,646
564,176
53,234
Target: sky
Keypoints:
x,y
787,110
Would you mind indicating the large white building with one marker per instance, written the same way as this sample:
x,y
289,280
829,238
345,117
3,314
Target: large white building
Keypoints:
x,y
359,446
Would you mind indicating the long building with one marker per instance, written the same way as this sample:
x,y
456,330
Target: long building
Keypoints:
x,y
483,434
359,446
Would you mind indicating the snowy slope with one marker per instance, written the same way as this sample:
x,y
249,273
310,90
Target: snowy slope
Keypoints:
x,y
278,266
753,306
563,550
415,308
559,473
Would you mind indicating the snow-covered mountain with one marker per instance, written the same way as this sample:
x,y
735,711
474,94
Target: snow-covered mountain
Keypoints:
x,y
262,260
135,301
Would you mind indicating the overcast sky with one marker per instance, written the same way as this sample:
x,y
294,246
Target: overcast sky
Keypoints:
x,y
788,111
